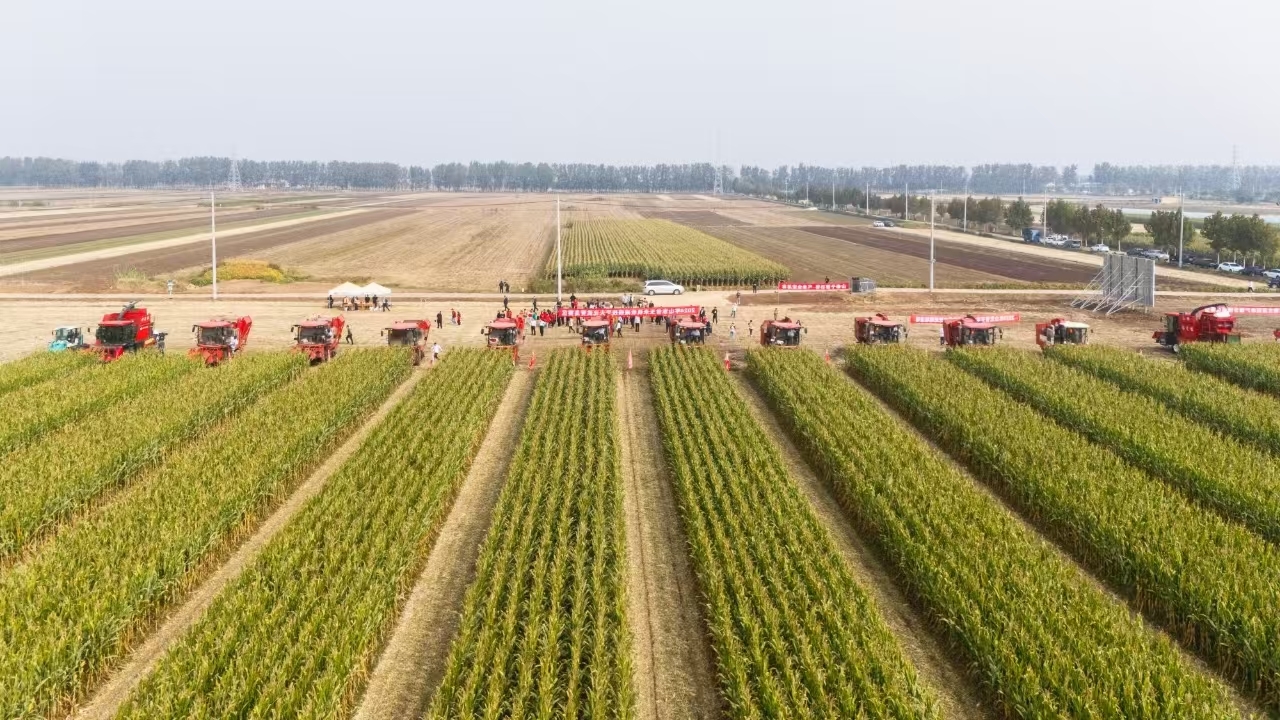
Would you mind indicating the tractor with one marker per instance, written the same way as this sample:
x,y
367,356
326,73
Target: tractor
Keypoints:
x,y
413,333
504,334
596,332
221,339
68,337
129,330
878,330
318,337
1208,323
687,332
968,330
781,333
1061,332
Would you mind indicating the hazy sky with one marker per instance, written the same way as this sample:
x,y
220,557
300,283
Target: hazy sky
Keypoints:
x,y
828,82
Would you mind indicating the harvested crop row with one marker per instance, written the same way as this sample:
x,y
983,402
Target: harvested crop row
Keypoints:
x,y
1232,410
543,629
1210,581
39,367
1255,366
794,634
43,484
660,249
80,602
1240,482
988,585
34,410
298,632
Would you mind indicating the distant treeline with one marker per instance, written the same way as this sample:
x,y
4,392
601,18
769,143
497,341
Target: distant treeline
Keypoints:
x,y
1208,181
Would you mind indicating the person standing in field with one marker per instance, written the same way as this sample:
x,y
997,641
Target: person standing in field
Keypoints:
x,y
435,353
459,316
733,332
733,309
330,301
749,328
942,336
635,323
440,320
775,314
351,339
715,315
738,299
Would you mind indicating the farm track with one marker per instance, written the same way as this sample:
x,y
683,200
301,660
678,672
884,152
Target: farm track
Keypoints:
x,y
37,242
957,694
675,669
100,275
143,659
1022,267
413,661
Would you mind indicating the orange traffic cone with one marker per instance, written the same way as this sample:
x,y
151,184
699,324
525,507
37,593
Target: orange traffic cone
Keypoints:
x,y
828,356
629,360
533,356
726,362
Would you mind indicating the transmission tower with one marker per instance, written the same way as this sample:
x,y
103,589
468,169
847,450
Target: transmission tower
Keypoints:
x,y
233,182
718,187
1235,169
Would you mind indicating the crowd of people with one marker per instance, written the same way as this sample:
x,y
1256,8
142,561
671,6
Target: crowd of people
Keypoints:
x,y
355,304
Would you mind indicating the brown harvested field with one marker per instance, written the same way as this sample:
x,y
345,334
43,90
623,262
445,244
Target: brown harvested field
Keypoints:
x,y
692,217
813,257
10,226
1020,267
100,275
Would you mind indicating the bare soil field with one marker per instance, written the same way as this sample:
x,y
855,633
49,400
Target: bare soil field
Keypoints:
x,y
699,218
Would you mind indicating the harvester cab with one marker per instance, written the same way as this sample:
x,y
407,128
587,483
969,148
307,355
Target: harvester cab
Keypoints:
x,y
129,330
596,331
412,333
1209,323
968,330
781,333
687,332
878,329
1061,332
220,339
503,334
68,337
318,337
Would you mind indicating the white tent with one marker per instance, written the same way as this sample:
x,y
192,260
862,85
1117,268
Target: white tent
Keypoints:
x,y
375,289
347,289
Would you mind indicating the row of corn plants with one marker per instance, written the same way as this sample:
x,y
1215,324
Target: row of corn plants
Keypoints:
x,y
1210,582
297,634
794,634
1255,366
543,629
41,366
998,593
34,410
45,483
660,249
72,609
1228,408
1237,480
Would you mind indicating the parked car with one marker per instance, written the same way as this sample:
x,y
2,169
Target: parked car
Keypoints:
x,y
878,223
1099,248
662,287
1272,274
1071,244
1153,254
1230,267
1253,271
1204,262
1136,252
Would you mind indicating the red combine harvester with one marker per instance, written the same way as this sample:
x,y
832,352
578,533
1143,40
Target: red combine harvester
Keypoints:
x,y
596,332
878,329
781,333
1061,332
221,339
1208,323
687,332
413,333
504,334
318,337
129,330
968,329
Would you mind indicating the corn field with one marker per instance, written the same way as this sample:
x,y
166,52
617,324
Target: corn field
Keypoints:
x,y
41,366
1210,582
1001,594
1247,416
794,634
296,636
543,630
34,410
1237,480
47,482
649,249
1255,366
72,609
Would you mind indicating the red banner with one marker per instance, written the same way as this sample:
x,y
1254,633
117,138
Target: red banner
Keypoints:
x,y
939,319
627,312
792,286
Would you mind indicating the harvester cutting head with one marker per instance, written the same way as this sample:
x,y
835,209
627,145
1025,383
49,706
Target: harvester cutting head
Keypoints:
x,y
878,329
968,330
781,333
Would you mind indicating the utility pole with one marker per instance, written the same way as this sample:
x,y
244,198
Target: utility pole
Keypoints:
x,y
833,193
868,198
213,237
906,200
932,196
1182,222
966,207
559,257
1044,220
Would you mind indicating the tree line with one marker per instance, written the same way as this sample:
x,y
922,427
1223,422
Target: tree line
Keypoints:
x,y
1216,181
1248,236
